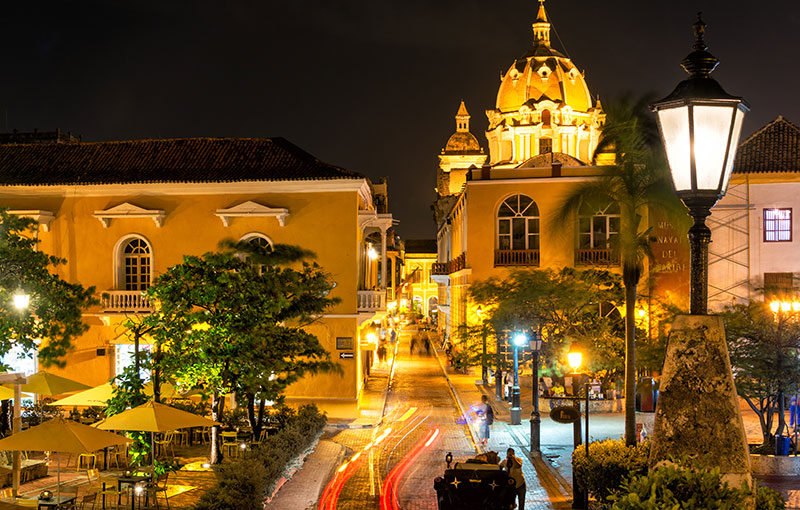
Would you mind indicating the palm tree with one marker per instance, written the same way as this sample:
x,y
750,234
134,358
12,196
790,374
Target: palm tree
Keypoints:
x,y
638,180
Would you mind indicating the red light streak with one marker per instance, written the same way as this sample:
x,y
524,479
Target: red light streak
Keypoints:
x,y
391,484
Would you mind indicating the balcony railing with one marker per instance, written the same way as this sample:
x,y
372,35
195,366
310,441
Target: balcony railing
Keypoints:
x,y
371,300
456,264
122,301
596,257
516,258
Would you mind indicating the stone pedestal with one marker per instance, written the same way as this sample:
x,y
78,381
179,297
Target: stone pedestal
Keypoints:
x,y
698,411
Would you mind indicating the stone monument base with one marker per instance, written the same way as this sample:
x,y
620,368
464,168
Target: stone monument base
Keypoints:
x,y
698,411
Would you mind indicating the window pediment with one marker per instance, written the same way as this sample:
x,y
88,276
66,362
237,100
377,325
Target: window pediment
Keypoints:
x,y
128,210
252,209
43,218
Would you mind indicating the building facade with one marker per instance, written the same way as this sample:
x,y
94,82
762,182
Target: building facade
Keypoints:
x,y
754,249
122,212
421,292
496,213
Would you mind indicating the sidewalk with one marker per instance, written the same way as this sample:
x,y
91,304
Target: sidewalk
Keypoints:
x,y
546,488
302,491
371,402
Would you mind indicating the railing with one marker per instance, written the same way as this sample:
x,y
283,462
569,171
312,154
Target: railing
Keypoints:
x,y
595,257
456,264
371,300
121,301
516,257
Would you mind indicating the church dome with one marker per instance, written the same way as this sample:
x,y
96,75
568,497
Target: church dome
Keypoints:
x,y
462,142
543,74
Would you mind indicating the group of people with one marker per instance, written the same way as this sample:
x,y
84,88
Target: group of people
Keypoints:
x,y
512,463
421,339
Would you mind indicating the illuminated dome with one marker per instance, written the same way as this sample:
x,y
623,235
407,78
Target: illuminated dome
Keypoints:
x,y
543,105
462,141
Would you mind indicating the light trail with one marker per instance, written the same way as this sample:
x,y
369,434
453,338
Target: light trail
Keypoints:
x,y
390,485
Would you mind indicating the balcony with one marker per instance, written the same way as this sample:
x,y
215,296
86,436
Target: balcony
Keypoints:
x,y
596,257
516,258
456,264
125,301
371,301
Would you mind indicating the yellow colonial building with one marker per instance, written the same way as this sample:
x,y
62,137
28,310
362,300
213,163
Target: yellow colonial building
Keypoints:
x,y
122,212
421,292
495,211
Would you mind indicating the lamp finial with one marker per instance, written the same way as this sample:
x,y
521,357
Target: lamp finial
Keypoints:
x,y
699,63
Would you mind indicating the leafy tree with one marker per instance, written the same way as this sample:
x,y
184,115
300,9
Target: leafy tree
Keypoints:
x,y
232,321
637,182
568,305
763,347
54,312
128,392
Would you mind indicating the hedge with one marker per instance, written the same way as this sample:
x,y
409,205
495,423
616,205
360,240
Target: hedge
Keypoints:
x,y
243,484
610,462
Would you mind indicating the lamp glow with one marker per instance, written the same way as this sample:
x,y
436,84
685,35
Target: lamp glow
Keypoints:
x,y
786,306
574,359
642,312
520,339
372,253
775,306
21,300
372,337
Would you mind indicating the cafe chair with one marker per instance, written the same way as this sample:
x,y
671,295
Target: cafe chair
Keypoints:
x,y
164,443
158,486
230,444
27,503
106,487
115,453
69,491
89,457
88,502
7,493
261,437
201,435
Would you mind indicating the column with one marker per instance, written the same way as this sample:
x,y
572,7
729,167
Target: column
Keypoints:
x,y
383,260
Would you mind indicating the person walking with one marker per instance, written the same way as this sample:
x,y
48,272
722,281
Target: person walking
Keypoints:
x,y
485,419
513,465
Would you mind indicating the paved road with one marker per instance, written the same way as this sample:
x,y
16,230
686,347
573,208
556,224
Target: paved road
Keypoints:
x,y
418,404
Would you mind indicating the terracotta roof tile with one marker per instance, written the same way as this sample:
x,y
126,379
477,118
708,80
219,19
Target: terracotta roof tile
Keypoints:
x,y
773,148
168,160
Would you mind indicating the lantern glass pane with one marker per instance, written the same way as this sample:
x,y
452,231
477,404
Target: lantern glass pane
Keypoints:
x,y
712,126
675,128
734,143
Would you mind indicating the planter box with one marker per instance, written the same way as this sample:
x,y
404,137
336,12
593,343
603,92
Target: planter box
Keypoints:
x,y
595,406
775,465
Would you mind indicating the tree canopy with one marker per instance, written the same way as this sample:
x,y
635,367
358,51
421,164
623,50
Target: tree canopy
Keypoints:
x,y
764,348
55,308
232,321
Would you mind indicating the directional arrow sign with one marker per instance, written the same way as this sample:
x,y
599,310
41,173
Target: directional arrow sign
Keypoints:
x,y
346,355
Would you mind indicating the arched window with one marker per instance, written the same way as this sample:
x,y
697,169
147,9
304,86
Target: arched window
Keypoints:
x,y
518,224
598,226
136,264
259,240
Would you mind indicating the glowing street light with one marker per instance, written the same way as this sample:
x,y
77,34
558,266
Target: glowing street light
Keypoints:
x,y
520,339
575,359
21,299
700,125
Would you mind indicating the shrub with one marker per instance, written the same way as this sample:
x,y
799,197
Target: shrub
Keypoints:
x,y
610,463
768,499
244,483
689,486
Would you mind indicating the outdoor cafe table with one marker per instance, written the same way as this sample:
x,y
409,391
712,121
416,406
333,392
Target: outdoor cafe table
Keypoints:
x,y
56,501
132,480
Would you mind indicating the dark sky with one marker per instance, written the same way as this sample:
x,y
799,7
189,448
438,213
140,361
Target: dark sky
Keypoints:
x,y
369,85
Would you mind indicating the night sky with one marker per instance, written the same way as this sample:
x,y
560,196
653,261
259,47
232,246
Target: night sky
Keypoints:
x,y
369,85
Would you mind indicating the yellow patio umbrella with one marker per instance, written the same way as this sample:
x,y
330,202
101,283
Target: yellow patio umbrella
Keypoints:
x,y
45,383
5,505
60,435
6,394
97,396
154,417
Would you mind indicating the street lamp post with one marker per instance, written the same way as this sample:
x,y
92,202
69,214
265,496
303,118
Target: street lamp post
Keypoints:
x,y
700,125
520,339
536,420
575,358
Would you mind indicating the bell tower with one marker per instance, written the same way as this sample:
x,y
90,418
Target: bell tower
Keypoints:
x,y
461,153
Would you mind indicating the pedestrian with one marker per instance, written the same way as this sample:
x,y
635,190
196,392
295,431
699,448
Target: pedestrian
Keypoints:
x,y
381,352
393,336
428,343
513,465
414,340
507,382
794,413
485,419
